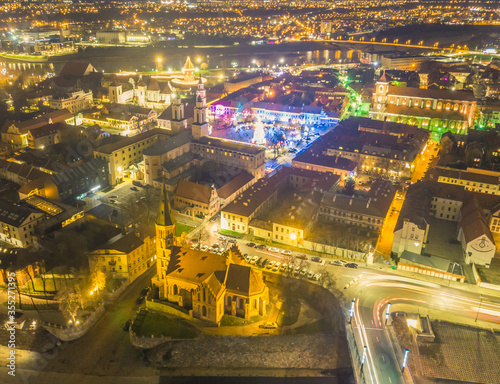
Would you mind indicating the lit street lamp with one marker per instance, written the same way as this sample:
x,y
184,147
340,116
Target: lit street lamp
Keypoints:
x,y
405,360
363,357
351,312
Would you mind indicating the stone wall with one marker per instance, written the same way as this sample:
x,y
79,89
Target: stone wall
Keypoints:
x,y
161,307
144,342
71,333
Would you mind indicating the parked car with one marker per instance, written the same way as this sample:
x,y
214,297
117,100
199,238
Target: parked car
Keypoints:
x,y
261,246
352,265
338,263
301,257
270,265
264,263
137,183
270,325
273,249
145,291
286,252
259,262
134,189
303,272
316,259
277,266
113,197
317,276
310,275
139,300
250,245
254,259
112,201
127,324
283,267
232,241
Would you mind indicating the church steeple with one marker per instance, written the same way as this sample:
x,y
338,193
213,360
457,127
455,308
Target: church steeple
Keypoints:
x,y
165,234
165,217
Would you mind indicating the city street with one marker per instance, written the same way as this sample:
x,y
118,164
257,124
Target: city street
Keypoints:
x,y
106,349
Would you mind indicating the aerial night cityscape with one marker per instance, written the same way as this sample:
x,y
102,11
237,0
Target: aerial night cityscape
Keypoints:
x,y
250,191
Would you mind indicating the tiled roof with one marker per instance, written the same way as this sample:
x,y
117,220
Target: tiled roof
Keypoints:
x,y
13,214
126,141
234,185
230,145
193,191
169,144
441,94
123,243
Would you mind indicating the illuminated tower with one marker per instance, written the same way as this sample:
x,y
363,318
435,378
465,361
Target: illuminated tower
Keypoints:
x,y
200,123
165,232
178,122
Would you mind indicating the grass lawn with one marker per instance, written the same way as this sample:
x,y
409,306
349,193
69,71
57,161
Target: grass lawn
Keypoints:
x,y
238,321
180,228
232,233
50,284
289,312
158,325
319,326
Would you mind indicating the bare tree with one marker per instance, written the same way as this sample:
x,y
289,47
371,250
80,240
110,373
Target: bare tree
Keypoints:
x,y
69,303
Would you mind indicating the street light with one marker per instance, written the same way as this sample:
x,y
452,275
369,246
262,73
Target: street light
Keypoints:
x,y
405,360
363,357
351,312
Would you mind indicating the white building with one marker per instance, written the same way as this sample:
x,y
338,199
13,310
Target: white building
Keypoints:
x,y
475,236
75,101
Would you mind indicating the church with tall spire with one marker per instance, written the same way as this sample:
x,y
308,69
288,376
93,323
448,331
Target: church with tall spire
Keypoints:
x,y
208,285
165,234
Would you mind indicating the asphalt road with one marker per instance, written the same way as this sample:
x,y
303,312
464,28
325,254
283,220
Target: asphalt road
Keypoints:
x,y
375,290
106,348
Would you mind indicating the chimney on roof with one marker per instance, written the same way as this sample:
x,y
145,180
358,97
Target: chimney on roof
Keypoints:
x,y
336,159
368,203
334,197
350,201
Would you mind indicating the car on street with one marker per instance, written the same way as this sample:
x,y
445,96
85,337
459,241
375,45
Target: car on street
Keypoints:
x,y
277,266
254,259
303,272
269,325
232,241
271,264
273,249
213,219
283,267
292,150
286,252
317,276
296,271
261,246
139,300
310,275
352,265
112,201
264,262
259,262
338,263
113,197
145,291
127,324
134,189
301,257
316,259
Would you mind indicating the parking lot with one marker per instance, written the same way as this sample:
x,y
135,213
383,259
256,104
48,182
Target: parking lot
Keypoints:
x,y
273,259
